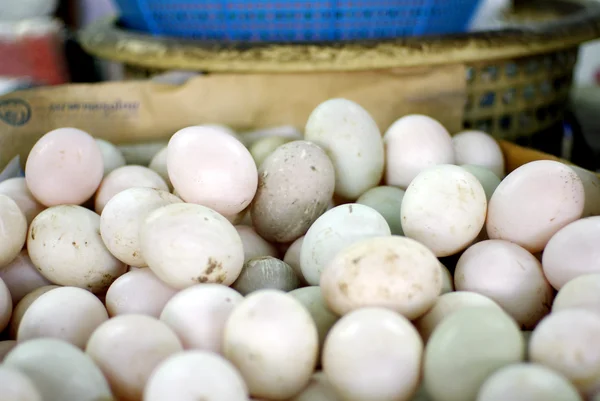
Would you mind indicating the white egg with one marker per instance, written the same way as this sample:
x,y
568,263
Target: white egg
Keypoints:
x,y
23,305
21,277
366,343
392,272
324,318
68,313
50,364
591,186
583,292
254,245
533,202
335,230
124,178
566,342
445,305
193,376
138,292
387,201
16,189
352,140
16,386
198,315
412,144
64,167
292,258
128,348
509,275
64,243
527,382
444,208
6,306
480,149
186,244
159,165
466,348
572,252
211,168
14,230
111,155
271,338
123,216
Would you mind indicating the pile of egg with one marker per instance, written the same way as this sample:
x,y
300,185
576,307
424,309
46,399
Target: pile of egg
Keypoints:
x,y
337,265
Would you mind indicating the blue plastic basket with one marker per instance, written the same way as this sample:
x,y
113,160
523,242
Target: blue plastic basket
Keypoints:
x,y
296,20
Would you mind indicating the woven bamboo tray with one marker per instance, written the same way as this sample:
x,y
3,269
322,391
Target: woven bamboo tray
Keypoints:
x,y
518,79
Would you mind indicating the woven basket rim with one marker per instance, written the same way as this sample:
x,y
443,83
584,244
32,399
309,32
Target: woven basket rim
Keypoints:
x,y
105,39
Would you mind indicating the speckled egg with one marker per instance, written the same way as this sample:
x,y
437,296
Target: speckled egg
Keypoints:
x,y
65,244
296,183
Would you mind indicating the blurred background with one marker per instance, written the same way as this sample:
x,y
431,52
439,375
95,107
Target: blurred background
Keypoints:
x,y
38,46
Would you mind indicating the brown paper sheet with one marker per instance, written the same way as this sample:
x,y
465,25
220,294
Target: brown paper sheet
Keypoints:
x,y
143,111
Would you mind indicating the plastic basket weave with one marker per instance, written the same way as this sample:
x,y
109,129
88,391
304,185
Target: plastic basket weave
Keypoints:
x,y
296,20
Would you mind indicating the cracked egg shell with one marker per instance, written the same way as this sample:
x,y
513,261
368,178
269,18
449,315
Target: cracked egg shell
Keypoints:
x,y
186,244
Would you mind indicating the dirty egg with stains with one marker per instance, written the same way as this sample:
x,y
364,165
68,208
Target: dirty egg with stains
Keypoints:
x,y
296,184
392,272
186,244
65,245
